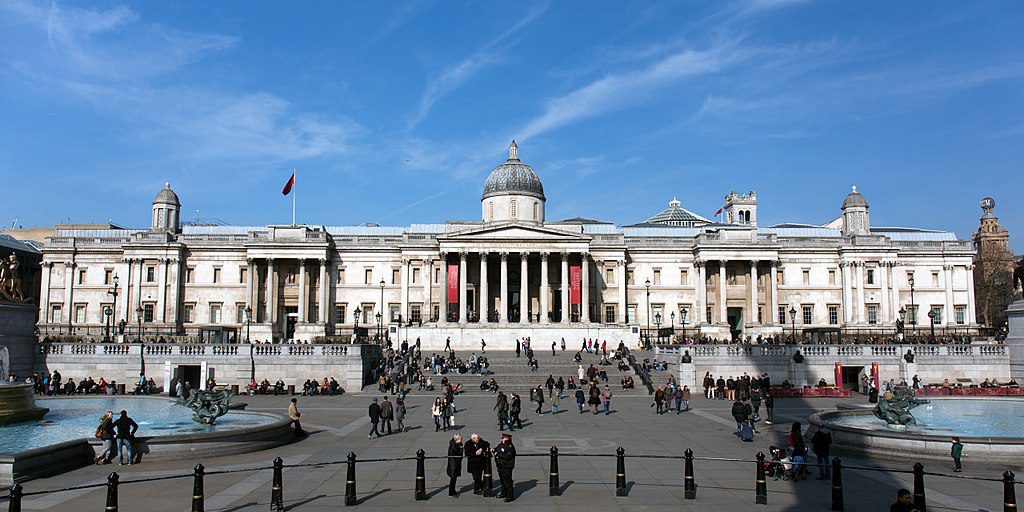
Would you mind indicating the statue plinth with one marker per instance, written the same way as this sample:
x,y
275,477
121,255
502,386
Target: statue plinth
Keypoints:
x,y
18,404
1015,339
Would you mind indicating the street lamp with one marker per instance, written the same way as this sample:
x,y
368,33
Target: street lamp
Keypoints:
x,y
142,355
792,320
657,325
686,313
355,323
113,308
672,315
903,319
106,324
380,317
252,356
647,284
913,307
931,317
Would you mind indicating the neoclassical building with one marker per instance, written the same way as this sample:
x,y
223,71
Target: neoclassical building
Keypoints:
x,y
513,273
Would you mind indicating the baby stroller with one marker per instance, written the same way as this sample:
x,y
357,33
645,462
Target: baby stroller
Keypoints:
x,y
773,467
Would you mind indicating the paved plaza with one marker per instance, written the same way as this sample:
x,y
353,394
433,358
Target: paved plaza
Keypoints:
x,y
339,425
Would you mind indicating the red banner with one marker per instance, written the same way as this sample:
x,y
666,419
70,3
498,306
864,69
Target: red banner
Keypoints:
x,y
839,375
575,293
874,377
453,283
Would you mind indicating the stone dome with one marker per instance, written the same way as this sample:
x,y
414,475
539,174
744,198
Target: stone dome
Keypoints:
x,y
167,196
513,178
855,199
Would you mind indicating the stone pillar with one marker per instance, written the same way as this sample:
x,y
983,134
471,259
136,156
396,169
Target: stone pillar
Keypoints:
x,y
895,288
524,289
884,281
403,309
772,315
303,293
844,268
44,293
701,304
503,292
947,311
175,285
1015,340
971,312
623,301
69,288
271,294
324,295
428,277
462,287
483,299
161,293
723,317
565,287
861,308
444,288
125,295
544,299
752,317
585,288
250,278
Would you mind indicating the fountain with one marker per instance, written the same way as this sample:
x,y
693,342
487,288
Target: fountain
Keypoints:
x,y
17,401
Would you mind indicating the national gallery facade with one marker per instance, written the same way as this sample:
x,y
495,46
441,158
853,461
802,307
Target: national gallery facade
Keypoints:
x,y
511,274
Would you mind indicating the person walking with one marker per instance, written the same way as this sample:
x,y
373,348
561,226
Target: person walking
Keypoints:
x,y
477,451
400,414
435,412
518,348
581,399
374,413
505,460
769,408
956,451
483,346
739,413
686,398
553,345
821,443
563,344
677,396
454,463
606,399
515,408
105,433
387,413
554,403
538,396
126,429
502,407
659,400
294,414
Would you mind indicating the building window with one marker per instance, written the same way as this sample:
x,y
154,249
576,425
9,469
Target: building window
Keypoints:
x,y
437,311
609,313
108,276
831,276
293,274
872,314
190,274
658,313
833,315
81,276
57,314
512,208
760,315
629,276
341,275
216,274
938,314
490,210
215,313
415,313
961,314
396,310
808,315
243,274
240,313
188,313
536,211
807,277
339,314
148,311
79,313
609,275
396,276
780,276
871,276
657,277
707,315
415,276
437,275
935,279
150,274
368,276
912,315
782,314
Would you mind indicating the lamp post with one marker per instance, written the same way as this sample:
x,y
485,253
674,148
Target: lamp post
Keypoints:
x,y
380,316
686,313
355,323
931,318
672,315
913,307
792,320
113,308
657,325
252,356
106,324
647,284
142,354
903,319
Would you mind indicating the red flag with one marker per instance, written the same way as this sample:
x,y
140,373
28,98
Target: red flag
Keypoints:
x,y
719,212
288,186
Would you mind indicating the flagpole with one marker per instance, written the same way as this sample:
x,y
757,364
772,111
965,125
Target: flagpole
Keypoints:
x,y
295,192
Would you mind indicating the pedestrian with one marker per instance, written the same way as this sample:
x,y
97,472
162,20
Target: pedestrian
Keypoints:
x,y
606,399
677,395
483,346
502,407
956,451
448,345
553,349
554,403
659,400
477,451
400,413
515,408
387,413
435,412
798,450
769,407
518,348
580,399
454,463
294,414
505,460
563,344
686,398
105,433
739,413
821,443
904,502
374,413
126,429
538,396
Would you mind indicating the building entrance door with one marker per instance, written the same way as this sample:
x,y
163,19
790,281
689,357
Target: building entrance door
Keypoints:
x,y
190,375
292,315
735,318
851,377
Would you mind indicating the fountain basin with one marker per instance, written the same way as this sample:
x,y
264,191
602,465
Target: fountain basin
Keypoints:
x,y
18,404
991,430
65,440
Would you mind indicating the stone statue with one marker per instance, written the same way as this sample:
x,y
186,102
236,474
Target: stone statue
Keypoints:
x,y
686,358
5,365
1018,277
207,406
10,283
894,407
909,356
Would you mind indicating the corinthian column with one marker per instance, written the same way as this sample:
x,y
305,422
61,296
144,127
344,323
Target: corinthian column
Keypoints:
x,y
585,288
722,310
565,287
623,305
462,287
503,277
752,316
444,289
524,290
544,287
485,304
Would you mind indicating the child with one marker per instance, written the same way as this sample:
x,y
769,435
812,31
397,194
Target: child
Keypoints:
x,y
956,451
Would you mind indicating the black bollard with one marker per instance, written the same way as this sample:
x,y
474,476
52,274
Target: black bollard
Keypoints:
x,y
837,485
421,479
14,502
350,481
488,477
277,487
919,501
760,484
111,493
198,501
689,486
553,486
620,472
1009,494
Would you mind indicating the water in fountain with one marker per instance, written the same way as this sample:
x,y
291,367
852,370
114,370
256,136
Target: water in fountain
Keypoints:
x,y
17,402
962,417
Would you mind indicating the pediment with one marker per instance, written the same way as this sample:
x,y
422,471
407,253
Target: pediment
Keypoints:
x,y
515,231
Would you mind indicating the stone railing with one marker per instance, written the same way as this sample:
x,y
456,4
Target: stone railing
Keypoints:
x,y
191,349
834,352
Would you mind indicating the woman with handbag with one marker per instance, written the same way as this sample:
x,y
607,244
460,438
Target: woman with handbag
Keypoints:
x,y
105,432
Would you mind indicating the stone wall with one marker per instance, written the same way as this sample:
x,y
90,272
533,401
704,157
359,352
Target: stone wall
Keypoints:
x,y
503,337
17,325
1015,341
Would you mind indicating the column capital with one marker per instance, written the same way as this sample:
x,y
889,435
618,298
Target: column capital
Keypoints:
x,y
948,267
249,261
969,266
697,263
504,255
565,254
70,264
621,263
405,261
754,263
463,256
323,261
270,260
46,264
443,254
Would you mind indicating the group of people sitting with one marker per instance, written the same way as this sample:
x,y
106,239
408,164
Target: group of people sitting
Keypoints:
x,y
324,388
265,388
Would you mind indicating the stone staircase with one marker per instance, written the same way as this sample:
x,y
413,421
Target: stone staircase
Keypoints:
x,y
513,374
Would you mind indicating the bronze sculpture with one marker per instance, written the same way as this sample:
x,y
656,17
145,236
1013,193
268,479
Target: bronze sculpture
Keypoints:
x,y
894,407
1018,276
10,283
207,406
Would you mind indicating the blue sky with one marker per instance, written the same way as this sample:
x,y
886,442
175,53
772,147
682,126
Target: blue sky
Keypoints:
x,y
395,112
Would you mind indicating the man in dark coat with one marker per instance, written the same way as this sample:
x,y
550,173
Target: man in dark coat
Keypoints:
x,y
374,412
741,413
505,460
821,443
454,463
477,450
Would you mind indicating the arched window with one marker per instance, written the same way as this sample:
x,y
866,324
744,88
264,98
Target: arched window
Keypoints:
x,y
490,210
536,211
512,209
747,215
